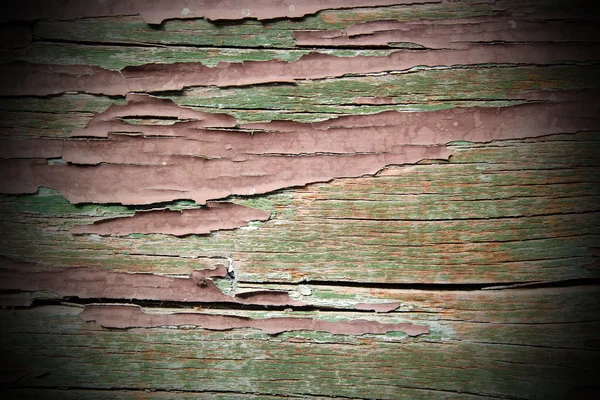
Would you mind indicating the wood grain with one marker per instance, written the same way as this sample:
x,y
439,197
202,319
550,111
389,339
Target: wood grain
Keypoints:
x,y
361,200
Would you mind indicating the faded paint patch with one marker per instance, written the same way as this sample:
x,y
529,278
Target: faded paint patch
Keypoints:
x,y
124,316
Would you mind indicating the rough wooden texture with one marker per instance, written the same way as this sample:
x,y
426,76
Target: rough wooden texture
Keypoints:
x,y
346,199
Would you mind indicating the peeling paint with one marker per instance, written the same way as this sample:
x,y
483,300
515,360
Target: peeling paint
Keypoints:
x,y
123,316
113,118
155,12
89,283
477,124
215,216
453,33
202,164
196,178
378,307
23,79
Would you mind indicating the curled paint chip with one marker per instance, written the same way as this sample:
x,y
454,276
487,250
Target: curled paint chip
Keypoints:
x,y
139,105
125,316
378,307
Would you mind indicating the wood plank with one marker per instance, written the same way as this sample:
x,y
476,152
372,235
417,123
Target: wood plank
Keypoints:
x,y
360,200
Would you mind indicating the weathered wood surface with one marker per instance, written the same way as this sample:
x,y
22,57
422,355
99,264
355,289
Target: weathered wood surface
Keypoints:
x,y
357,199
